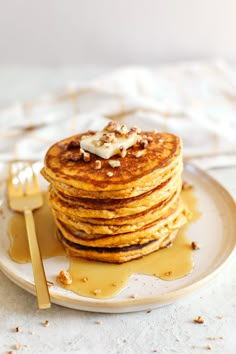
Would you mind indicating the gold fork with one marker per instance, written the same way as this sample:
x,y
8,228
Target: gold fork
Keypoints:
x,y
24,195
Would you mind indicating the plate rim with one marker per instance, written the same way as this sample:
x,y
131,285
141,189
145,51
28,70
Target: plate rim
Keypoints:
x,y
137,304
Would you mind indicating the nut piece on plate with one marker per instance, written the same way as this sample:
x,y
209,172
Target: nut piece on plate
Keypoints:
x,y
65,277
195,245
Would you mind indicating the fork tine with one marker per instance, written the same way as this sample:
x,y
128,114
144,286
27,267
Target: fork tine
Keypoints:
x,y
35,181
31,183
28,187
28,180
15,187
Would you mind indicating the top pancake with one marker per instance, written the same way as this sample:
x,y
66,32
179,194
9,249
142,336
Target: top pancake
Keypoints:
x,y
160,156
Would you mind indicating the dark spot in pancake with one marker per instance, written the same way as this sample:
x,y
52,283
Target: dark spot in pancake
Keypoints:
x,y
105,249
73,144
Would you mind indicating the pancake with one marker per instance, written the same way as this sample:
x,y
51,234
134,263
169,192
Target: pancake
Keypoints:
x,y
119,225
118,204
140,188
73,210
116,224
147,232
116,254
126,205
138,176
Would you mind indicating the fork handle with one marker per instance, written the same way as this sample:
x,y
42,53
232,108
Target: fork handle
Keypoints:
x,y
42,292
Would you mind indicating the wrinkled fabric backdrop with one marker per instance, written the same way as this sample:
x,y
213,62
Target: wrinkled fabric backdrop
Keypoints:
x,y
195,100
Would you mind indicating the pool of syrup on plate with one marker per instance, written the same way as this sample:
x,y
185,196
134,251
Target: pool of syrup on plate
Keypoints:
x,y
99,279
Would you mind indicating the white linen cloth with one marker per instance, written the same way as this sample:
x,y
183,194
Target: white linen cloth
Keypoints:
x,y
194,100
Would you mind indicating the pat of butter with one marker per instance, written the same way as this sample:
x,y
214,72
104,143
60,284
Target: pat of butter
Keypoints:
x,y
108,149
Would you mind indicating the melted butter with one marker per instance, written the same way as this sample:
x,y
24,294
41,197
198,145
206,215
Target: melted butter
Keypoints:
x,y
104,280
88,143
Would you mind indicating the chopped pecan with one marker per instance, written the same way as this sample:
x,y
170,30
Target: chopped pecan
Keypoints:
x,y
114,163
98,165
195,245
111,126
108,137
86,156
72,156
97,291
144,143
91,132
123,151
46,323
73,144
123,129
65,277
139,153
135,130
198,319
98,143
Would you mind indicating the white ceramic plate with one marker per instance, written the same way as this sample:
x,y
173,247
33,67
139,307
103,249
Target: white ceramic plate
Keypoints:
x,y
215,230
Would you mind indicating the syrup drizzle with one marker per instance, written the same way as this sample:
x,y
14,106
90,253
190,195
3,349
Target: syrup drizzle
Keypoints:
x,y
99,279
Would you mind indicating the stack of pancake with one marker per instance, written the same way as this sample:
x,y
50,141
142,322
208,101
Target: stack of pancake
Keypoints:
x,y
118,208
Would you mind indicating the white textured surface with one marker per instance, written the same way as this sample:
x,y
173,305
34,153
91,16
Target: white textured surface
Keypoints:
x,y
166,330
183,98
